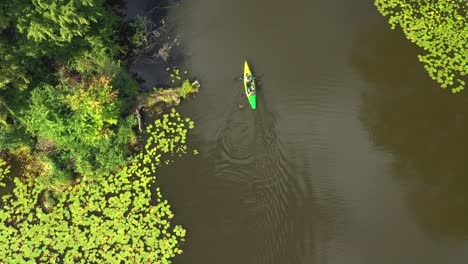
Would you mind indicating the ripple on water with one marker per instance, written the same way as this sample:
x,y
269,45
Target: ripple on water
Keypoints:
x,y
253,161
237,139
274,189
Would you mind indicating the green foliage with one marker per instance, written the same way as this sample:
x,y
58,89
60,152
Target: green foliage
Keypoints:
x,y
176,75
13,137
54,20
11,71
4,170
52,178
49,27
123,82
65,97
441,29
82,118
179,77
36,36
57,78
172,96
140,28
64,115
102,219
167,134
187,89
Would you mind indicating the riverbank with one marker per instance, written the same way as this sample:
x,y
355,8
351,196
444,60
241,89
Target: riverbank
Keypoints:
x,y
80,113
73,125
156,46
105,219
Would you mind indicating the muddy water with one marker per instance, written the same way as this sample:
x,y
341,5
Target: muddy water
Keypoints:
x,y
352,156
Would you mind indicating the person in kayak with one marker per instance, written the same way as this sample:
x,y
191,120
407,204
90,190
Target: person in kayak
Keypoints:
x,y
251,89
248,79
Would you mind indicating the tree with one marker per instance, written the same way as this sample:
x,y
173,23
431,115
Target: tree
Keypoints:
x,y
440,27
62,85
11,72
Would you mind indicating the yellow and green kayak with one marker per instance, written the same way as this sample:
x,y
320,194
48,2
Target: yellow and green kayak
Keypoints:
x,y
252,92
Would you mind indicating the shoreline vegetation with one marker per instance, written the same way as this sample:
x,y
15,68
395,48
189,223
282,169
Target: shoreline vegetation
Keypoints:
x,y
75,185
114,217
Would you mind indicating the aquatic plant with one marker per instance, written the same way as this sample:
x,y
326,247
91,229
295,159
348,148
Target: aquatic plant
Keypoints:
x,y
441,29
188,88
4,170
99,219
176,75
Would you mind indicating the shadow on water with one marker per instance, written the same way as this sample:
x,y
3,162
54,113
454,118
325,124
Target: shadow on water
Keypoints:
x,y
149,66
240,199
421,125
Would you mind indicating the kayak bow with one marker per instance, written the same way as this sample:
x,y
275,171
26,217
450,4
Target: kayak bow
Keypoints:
x,y
251,97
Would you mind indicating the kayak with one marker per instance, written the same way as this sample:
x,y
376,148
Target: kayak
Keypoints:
x,y
252,96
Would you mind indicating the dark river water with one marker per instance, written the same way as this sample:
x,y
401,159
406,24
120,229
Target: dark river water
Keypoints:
x,y
352,156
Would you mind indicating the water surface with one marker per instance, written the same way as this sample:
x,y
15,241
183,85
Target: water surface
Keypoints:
x,y
352,156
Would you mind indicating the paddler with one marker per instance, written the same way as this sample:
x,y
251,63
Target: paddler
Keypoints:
x,y
250,89
248,79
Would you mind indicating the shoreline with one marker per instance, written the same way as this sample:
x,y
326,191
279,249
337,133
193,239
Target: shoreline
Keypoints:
x,y
162,94
95,196
144,103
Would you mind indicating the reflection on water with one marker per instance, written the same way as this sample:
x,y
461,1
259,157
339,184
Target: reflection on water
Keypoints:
x,y
423,126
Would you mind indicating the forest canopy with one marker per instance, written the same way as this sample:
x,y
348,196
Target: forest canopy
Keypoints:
x,y
63,104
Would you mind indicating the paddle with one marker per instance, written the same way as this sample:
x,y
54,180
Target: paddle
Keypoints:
x,y
242,78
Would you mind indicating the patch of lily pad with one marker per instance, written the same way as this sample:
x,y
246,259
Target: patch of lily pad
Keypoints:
x,y
110,219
